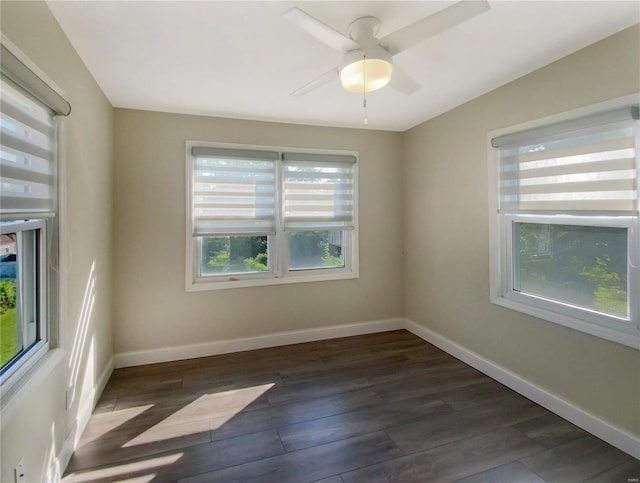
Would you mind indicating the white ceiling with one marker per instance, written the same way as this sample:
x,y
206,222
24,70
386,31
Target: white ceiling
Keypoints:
x,y
242,59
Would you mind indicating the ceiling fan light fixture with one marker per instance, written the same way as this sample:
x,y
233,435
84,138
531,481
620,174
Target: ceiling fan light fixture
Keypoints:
x,y
365,73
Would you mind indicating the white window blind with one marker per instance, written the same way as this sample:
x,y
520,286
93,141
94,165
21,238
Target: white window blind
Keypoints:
x,y
233,191
28,155
318,192
584,165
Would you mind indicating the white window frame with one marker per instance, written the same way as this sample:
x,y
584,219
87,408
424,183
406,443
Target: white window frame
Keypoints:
x,y
278,243
542,306
31,355
609,327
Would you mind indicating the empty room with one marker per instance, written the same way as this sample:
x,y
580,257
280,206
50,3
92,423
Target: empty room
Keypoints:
x,y
277,241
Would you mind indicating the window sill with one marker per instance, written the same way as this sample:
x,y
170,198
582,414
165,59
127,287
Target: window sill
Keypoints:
x,y
630,338
203,284
13,399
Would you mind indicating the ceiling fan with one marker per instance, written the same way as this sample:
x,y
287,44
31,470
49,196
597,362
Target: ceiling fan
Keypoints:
x,y
367,60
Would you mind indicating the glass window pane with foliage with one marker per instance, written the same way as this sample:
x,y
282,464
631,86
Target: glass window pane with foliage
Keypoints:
x,y
233,254
8,276
585,266
316,249
19,268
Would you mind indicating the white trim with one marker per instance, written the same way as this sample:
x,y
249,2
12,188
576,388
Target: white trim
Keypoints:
x,y
29,357
57,327
166,354
263,279
613,435
627,339
621,330
85,408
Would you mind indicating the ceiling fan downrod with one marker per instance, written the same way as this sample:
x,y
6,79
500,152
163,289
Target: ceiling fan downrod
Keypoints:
x,y
364,90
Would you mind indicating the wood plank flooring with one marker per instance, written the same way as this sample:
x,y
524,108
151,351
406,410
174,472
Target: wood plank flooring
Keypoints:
x,y
385,407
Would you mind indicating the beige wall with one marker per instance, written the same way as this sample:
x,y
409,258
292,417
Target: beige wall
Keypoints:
x,y
447,234
154,311
41,425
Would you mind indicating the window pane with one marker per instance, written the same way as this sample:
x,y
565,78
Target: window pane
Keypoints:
x,y
233,254
18,293
316,249
8,275
579,265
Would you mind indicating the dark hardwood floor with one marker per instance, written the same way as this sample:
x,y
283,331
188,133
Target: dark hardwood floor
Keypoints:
x,y
373,408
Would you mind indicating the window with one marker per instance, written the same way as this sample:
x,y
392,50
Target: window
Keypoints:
x,y
565,241
28,212
266,216
23,298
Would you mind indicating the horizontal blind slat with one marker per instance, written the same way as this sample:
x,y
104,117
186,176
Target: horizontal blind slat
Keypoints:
x,y
22,145
599,203
240,174
316,159
576,163
263,220
338,186
621,164
13,157
213,207
625,188
229,191
13,202
312,177
314,196
587,179
12,111
600,147
23,173
313,217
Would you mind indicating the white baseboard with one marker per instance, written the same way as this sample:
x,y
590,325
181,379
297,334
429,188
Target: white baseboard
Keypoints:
x,y
85,408
103,380
613,435
166,354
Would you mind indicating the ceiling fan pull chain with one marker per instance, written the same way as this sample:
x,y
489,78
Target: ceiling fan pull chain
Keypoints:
x,y
364,88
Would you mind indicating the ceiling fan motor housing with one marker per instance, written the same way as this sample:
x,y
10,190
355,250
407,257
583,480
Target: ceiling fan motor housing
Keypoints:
x,y
364,30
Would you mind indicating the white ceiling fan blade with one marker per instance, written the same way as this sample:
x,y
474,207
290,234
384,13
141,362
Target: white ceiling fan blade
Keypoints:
x,y
403,82
314,84
320,31
432,25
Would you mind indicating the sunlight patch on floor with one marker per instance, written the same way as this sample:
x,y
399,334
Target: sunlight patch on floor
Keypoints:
x,y
150,467
195,417
162,432
140,479
104,423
